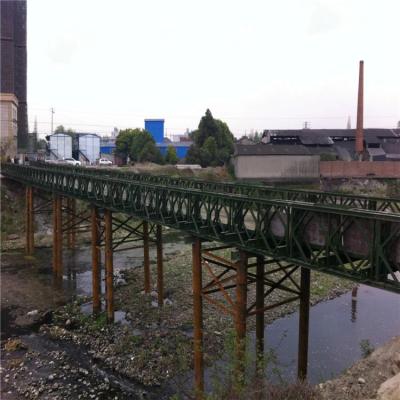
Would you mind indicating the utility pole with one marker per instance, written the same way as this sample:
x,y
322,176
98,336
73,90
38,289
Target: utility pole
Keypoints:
x,y
52,113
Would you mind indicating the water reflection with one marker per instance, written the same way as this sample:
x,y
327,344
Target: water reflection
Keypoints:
x,y
354,304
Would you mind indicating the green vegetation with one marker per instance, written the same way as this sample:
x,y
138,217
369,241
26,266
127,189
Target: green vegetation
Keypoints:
x,y
327,157
212,143
171,157
138,145
61,129
366,348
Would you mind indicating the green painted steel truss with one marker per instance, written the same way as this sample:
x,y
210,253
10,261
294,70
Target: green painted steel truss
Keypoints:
x,y
359,244
248,189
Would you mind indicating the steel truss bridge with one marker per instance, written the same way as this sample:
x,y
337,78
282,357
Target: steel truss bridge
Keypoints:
x,y
353,237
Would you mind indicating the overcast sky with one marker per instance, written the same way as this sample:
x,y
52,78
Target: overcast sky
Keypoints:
x,y
264,64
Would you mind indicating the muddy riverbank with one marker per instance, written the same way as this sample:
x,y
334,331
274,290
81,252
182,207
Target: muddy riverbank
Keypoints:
x,y
150,348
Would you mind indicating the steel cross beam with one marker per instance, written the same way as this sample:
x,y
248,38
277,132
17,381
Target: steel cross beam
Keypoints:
x,y
226,283
358,244
248,189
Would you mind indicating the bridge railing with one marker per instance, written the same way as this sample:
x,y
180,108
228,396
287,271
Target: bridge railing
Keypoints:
x,y
257,190
362,245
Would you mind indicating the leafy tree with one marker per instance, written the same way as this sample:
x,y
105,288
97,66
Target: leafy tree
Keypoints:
x,y
41,144
171,156
69,131
138,144
213,142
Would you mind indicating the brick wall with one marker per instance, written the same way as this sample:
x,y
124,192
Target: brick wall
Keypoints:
x,y
360,169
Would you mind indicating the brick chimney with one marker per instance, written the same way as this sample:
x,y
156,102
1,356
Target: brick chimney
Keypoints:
x,y
360,113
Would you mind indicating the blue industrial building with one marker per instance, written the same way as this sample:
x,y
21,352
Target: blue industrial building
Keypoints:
x,y
156,128
180,147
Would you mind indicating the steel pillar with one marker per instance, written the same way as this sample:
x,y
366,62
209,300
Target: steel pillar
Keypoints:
x,y
160,272
71,205
241,311
198,319
109,264
57,236
260,306
303,323
29,228
146,257
96,271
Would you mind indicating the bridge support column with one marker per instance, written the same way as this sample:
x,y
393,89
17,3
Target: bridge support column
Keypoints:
x,y
29,228
303,323
96,271
146,257
241,312
57,237
160,268
260,311
71,205
198,319
109,265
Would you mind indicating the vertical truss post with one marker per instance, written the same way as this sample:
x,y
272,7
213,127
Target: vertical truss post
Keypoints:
x,y
96,272
198,319
160,284
146,257
29,229
303,323
71,205
260,306
57,237
241,311
109,265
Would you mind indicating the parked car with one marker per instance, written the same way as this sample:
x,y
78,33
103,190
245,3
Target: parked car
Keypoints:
x,y
104,161
72,161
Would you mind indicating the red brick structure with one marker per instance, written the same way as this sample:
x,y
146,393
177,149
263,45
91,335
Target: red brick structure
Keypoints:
x,y
360,169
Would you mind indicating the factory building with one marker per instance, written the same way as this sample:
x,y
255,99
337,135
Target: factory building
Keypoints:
x,y
156,128
84,147
87,148
279,163
60,146
339,144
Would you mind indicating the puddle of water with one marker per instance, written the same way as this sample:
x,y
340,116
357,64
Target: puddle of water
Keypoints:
x,y
337,328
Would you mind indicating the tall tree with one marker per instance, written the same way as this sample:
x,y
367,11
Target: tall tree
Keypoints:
x,y
212,142
138,144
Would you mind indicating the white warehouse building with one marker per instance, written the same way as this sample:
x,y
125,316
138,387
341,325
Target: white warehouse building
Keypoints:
x,y
60,146
88,147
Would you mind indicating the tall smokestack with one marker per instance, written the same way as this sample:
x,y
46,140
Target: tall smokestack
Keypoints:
x,y
360,113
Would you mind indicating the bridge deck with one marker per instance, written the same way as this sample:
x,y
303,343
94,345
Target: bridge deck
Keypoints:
x,y
357,242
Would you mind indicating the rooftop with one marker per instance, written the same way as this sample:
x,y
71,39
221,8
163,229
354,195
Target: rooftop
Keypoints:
x,y
377,132
269,149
